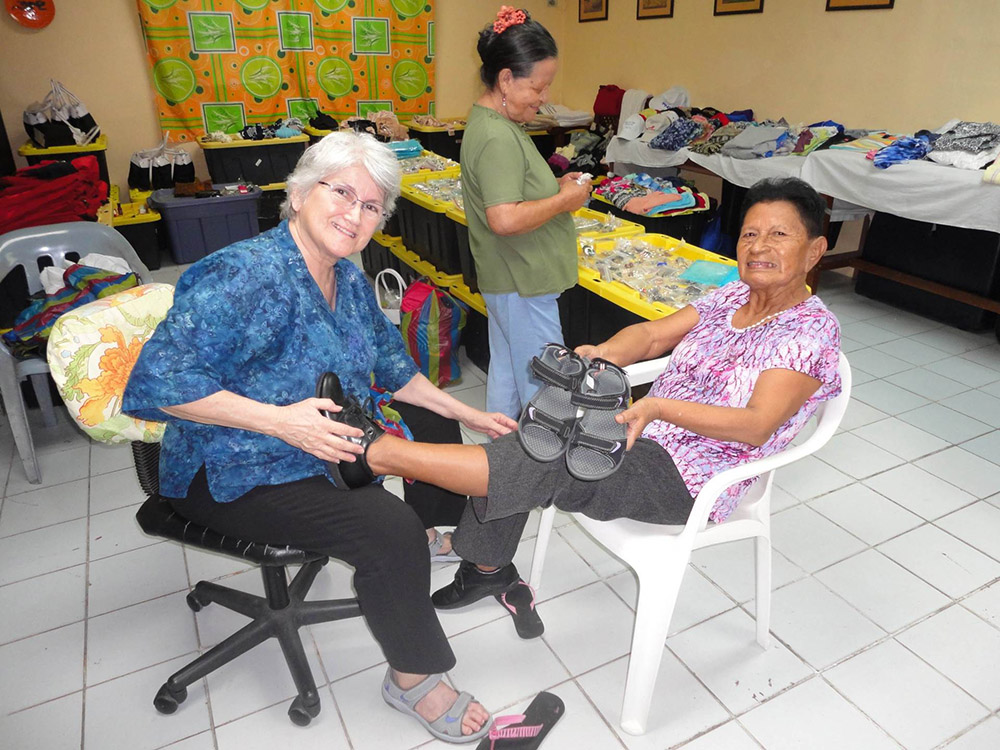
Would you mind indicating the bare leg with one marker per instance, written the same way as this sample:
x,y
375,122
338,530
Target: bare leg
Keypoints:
x,y
439,700
463,469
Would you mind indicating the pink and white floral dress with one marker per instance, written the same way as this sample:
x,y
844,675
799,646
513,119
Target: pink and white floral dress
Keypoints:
x,y
719,365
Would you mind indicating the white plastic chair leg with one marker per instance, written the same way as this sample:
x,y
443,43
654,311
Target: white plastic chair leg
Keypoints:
x,y
545,524
40,385
762,561
659,585
13,403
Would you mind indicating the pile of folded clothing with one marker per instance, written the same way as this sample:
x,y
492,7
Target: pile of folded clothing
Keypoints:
x,y
907,148
644,195
967,145
583,153
761,140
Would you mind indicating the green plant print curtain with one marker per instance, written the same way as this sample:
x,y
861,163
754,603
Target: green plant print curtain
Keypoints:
x,y
219,65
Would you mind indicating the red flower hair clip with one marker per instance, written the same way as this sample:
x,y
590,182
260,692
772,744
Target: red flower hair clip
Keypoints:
x,y
507,17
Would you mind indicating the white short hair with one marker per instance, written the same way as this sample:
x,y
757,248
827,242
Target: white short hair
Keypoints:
x,y
340,150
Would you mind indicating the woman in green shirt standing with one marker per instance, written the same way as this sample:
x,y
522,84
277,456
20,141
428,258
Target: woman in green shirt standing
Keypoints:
x,y
520,230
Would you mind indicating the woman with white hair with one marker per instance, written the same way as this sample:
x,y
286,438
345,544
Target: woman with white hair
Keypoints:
x,y
249,451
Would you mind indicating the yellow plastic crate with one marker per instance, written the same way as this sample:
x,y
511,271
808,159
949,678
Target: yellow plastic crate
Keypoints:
x,y
132,213
628,298
472,299
139,196
627,228
30,149
453,170
430,129
424,268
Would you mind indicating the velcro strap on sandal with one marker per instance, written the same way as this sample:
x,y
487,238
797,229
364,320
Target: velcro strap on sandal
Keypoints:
x,y
562,428
597,443
546,372
595,401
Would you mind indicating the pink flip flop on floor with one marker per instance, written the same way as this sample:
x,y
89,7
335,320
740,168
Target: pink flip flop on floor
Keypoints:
x,y
520,602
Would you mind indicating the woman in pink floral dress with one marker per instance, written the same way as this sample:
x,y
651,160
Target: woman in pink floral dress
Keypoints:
x,y
750,363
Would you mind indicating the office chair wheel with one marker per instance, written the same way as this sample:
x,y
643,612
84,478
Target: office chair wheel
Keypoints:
x,y
167,700
301,714
193,602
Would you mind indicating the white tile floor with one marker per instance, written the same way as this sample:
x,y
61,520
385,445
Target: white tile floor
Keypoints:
x,y
886,611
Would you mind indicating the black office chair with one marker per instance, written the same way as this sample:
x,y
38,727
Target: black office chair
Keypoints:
x,y
278,614
77,349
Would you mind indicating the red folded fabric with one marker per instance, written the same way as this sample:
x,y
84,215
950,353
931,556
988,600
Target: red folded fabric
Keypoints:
x,y
29,201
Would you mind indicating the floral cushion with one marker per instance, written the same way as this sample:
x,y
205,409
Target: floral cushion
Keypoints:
x,y
91,352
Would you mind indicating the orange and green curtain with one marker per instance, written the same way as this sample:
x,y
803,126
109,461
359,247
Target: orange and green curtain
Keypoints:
x,y
224,64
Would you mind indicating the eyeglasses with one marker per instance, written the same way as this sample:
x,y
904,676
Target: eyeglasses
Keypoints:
x,y
346,197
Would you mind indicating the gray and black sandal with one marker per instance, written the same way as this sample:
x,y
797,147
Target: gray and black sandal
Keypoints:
x,y
447,727
597,446
550,416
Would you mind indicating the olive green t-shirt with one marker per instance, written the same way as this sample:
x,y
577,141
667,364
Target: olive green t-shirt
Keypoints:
x,y
500,164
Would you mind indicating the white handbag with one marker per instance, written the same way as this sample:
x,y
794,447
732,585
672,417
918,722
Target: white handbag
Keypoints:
x,y
389,298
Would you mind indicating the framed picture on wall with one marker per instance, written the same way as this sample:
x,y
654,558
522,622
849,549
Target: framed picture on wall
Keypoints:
x,y
654,9
593,10
858,4
732,7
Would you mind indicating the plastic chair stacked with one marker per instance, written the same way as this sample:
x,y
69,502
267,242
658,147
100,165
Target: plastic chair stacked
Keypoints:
x,y
32,249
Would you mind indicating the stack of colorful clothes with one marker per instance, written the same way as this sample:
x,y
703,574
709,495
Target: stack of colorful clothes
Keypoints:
x,y
644,195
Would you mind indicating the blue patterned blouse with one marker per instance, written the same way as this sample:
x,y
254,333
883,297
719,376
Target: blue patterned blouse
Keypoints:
x,y
250,319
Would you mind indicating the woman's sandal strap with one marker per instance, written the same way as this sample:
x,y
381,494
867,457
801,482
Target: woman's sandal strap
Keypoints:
x,y
559,366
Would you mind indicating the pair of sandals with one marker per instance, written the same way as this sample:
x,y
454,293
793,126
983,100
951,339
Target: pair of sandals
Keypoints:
x,y
573,414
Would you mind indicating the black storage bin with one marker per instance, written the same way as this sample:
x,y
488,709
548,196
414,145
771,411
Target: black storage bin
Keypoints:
x,y
573,316
430,234
687,227
545,142
260,162
439,140
466,263
98,149
476,339
966,259
269,208
147,240
375,256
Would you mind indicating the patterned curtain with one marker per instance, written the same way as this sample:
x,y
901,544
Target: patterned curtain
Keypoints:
x,y
224,64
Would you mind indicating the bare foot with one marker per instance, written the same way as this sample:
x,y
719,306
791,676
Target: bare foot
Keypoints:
x,y
437,702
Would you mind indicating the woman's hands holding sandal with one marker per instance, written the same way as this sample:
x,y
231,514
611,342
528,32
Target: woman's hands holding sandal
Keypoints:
x,y
637,416
304,426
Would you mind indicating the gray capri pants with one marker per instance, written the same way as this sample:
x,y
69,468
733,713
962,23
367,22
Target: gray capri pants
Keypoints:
x,y
646,487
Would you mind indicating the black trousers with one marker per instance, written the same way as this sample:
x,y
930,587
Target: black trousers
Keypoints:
x,y
433,505
369,529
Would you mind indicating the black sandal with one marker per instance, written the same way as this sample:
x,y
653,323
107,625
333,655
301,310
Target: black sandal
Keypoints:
x,y
349,475
550,416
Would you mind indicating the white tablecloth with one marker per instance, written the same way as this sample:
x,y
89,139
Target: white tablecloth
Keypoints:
x,y
919,190
745,172
636,152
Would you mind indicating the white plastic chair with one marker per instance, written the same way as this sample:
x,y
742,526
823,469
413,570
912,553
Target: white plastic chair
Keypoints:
x,y
25,247
659,554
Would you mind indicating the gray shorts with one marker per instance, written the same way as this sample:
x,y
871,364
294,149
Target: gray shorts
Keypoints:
x,y
646,487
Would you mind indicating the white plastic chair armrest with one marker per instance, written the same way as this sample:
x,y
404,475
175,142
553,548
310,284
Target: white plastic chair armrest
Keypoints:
x,y
641,373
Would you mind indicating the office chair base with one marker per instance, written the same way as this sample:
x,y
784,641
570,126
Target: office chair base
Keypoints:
x,y
279,614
